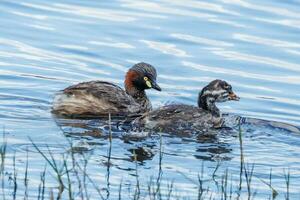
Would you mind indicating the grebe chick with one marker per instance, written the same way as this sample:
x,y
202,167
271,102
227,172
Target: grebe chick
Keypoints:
x,y
98,98
183,119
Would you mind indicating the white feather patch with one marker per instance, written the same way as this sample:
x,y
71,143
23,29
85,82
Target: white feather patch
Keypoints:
x,y
214,92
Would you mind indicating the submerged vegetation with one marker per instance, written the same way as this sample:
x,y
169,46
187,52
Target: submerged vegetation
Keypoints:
x,y
74,181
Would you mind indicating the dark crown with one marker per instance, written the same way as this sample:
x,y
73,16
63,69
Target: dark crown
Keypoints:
x,y
145,69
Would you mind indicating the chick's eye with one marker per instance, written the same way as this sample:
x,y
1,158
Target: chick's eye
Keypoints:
x,y
227,87
146,78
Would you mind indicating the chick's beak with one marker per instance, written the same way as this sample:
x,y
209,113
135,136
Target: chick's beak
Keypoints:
x,y
233,97
155,86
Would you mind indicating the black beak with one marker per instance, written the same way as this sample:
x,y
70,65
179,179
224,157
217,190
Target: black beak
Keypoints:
x,y
155,86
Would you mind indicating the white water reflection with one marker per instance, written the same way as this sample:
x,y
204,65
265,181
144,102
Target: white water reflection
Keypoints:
x,y
232,55
201,40
295,52
265,41
163,9
100,62
41,27
166,48
228,22
106,13
120,45
73,47
283,22
33,53
33,16
202,81
265,8
81,11
221,70
214,7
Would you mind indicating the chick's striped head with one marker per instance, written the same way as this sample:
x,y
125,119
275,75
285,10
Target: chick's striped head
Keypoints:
x,y
219,91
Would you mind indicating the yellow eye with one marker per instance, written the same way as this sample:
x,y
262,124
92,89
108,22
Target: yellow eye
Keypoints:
x,y
148,83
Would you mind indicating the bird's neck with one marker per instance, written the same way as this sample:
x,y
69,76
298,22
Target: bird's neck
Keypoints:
x,y
136,93
139,95
141,98
130,88
208,103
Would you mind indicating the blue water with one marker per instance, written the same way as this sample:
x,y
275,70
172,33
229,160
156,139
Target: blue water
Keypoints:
x,y
46,46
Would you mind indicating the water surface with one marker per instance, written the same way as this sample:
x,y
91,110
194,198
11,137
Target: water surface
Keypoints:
x,y
254,45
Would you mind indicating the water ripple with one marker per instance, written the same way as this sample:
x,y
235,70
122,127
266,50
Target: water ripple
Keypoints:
x,y
265,8
163,9
219,70
204,6
201,40
120,45
259,59
81,11
46,46
33,16
166,48
265,41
